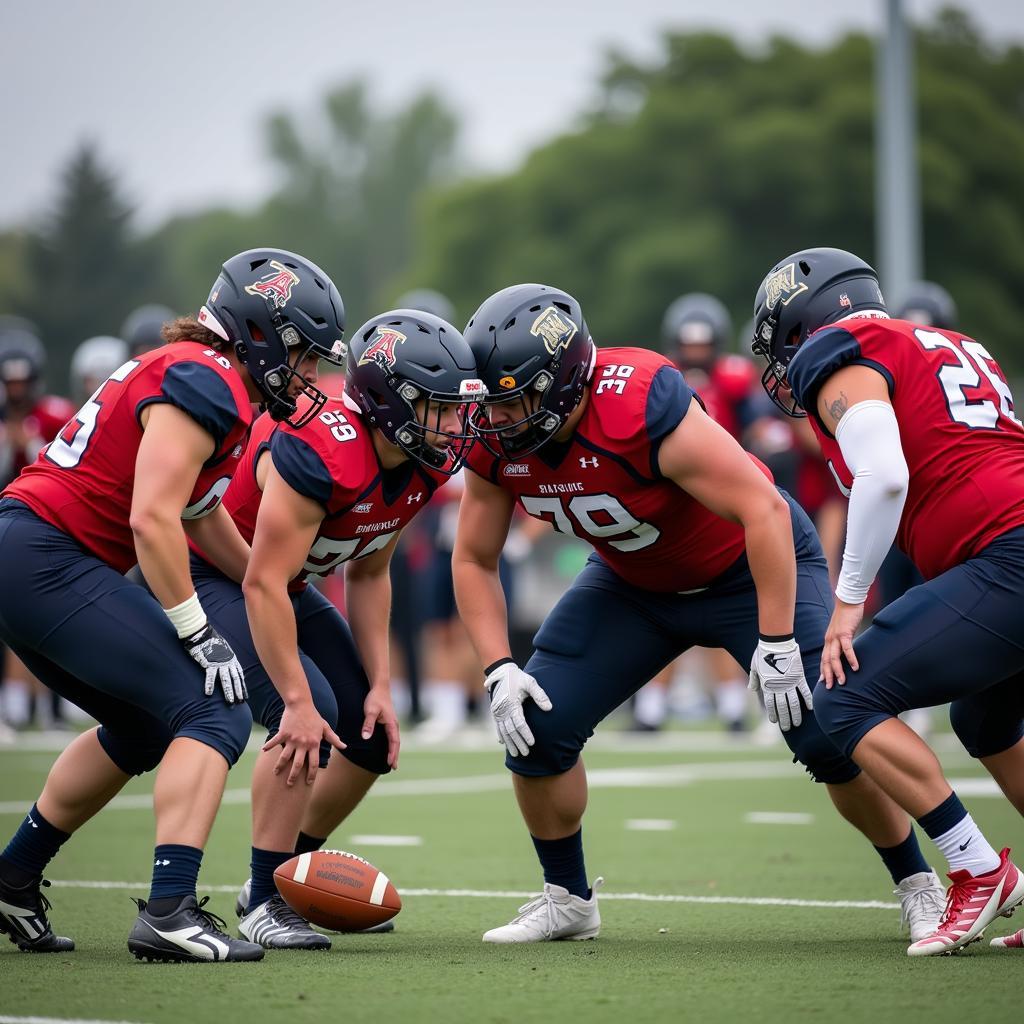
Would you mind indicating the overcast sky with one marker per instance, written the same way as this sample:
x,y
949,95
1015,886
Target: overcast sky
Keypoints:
x,y
174,92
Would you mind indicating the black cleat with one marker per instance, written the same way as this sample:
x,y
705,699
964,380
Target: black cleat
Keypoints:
x,y
274,925
23,919
188,934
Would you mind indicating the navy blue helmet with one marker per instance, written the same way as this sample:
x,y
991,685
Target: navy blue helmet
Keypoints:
x,y
800,294
277,308
929,304
404,367
532,345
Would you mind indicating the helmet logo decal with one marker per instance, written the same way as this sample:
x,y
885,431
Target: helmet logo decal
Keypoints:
x,y
782,285
508,383
382,349
554,328
277,286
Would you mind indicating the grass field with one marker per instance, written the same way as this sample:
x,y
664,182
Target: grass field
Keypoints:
x,y
708,914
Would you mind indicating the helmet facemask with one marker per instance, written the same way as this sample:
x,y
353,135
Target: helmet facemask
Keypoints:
x,y
422,437
774,379
522,437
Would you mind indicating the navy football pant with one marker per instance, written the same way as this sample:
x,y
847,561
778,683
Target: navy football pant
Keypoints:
x,y
335,673
106,645
605,639
957,638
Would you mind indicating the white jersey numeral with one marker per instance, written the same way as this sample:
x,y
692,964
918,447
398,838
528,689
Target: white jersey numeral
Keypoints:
x,y
976,412
634,535
67,454
329,552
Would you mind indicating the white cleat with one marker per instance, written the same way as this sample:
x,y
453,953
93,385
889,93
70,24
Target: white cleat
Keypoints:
x,y
1014,941
554,914
274,925
922,903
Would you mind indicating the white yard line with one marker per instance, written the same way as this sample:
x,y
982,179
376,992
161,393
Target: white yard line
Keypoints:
x,y
650,824
517,894
380,840
6,1019
778,818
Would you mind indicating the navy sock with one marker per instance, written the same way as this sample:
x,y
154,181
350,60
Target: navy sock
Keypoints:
x,y
263,865
938,821
175,872
307,843
905,859
31,848
562,861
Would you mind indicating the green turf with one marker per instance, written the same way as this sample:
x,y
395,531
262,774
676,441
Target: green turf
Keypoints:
x,y
653,961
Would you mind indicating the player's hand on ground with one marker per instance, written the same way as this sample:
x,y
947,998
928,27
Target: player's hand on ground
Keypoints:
x,y
839,643
214,654
508,686
378,708
778,672
300,734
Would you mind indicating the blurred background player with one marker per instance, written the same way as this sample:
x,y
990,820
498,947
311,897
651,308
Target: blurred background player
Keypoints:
x,y
29,419
141,328
696,335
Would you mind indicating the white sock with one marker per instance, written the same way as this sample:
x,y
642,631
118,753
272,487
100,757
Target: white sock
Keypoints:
x,y
446,700
731,701
17,701
967,849
651,705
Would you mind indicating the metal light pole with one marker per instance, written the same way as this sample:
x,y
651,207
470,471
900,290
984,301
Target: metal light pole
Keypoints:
x,y
897,197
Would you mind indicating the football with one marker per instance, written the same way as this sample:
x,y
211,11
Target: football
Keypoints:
x,y
337,890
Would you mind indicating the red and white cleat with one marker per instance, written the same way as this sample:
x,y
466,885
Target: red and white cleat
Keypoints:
x,y
972,904
1014,941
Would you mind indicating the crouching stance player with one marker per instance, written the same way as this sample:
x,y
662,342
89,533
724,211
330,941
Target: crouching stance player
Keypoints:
x,y
142,466
919,429
693,546
337,489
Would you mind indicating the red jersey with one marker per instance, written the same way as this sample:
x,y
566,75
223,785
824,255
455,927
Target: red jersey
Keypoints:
x,y
604,486
963,444
36,429
725,391
332,461
82,480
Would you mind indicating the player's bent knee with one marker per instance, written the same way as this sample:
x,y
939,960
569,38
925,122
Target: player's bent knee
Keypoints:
x,y
982,732
846,714
371,756
132,755
224,728
824,761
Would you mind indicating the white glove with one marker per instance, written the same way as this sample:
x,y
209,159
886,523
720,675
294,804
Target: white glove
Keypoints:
x,y
778,672
212,652
508,686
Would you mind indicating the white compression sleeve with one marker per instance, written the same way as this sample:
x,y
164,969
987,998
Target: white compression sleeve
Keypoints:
x,y
869,438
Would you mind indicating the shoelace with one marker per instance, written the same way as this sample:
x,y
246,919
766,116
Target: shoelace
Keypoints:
x,y
926,900
956,899
282,913
207,919
527,910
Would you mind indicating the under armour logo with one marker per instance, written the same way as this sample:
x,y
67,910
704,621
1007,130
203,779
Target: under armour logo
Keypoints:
x,y
414,497
158,863
588,462
772,659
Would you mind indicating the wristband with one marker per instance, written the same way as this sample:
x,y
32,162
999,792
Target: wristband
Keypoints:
x,y
782,639
188,618
497,664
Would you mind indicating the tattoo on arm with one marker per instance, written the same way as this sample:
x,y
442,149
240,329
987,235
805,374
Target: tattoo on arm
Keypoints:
x,y
838,408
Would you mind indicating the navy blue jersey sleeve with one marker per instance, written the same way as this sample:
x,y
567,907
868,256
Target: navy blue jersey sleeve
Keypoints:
x,y
301,467
668,401
200,392
821,356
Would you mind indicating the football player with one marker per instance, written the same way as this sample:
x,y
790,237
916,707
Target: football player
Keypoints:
x,y
141,466
693,546
141,328
336,490
919,429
